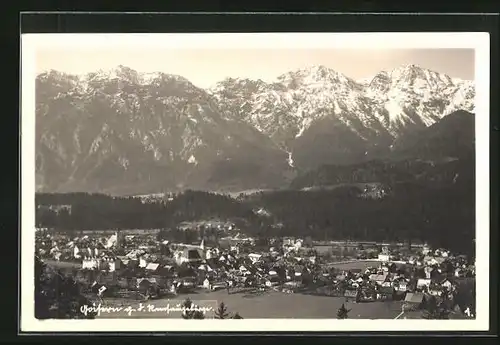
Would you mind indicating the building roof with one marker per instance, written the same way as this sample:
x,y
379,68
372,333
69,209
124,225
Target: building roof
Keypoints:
x,y
440,260
350,293
149,280
414,297
421,282
386,290
378,277
152,266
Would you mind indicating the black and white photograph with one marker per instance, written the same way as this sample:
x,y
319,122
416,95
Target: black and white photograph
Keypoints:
x,y
338,181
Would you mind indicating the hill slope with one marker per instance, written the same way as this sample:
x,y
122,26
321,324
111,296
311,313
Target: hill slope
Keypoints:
x,y
123,131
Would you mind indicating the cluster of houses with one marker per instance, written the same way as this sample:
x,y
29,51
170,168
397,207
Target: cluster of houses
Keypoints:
x,y
287,267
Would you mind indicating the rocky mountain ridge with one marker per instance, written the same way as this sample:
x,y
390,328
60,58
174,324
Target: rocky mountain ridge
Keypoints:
x,y
123,131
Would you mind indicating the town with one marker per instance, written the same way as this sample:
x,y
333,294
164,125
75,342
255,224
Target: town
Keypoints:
x,y
288,277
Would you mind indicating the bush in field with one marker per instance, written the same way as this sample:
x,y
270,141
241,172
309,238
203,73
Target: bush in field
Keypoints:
x,y
435,310
57,296
190,312
221,312
343,312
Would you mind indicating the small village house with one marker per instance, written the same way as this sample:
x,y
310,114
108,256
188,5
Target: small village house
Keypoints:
x,y
379,279
111,263
189,255
460,272
435,290
144,260
423,284
152,266
90,263
384,255
288,241
254,257
426,249
427,271
447,284
400,285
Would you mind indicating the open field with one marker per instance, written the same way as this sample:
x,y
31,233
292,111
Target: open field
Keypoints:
x,y
270,304
63,264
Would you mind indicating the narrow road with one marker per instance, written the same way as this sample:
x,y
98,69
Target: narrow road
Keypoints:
x,y
62,264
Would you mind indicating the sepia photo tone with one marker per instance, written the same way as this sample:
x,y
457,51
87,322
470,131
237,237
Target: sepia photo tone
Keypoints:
x,y
255,183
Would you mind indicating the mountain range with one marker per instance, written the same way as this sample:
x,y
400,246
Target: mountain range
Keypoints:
x,y
125,132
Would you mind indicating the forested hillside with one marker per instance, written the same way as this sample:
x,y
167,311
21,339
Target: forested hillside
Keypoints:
x,y
442,215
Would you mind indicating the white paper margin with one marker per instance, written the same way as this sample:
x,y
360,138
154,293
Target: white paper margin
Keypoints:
x,y
479,41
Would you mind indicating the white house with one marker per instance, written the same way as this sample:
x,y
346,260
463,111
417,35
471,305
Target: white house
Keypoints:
x,y
383,257
90,263
288,241
412,260
143,261
429,260
111,264
152,266
437,260
435,292
447,284
427,271
206,284
298,244
401,286
76,252
379,278
426,249
189,255
459,273
423,282
209,255
254,257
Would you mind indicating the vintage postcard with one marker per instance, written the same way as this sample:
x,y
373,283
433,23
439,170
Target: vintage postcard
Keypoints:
x,y
338,181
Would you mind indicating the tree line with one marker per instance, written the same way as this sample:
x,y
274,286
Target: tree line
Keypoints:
x,y
99,211
442,215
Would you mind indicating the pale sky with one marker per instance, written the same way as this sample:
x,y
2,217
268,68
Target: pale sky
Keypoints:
x,y
205,67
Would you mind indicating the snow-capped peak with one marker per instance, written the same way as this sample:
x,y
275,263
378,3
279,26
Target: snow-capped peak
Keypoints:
x,y
417,77
389,101
315,75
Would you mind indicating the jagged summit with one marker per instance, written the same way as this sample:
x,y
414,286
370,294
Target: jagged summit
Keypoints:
x,y
313,76
116,128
